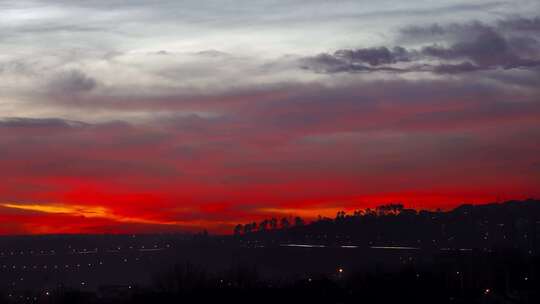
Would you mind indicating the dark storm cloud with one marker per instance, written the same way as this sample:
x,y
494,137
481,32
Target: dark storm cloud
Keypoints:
x,y
476,46
358,60
374,56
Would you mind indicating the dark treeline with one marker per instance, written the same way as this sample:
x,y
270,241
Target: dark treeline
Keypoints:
x,y
513,224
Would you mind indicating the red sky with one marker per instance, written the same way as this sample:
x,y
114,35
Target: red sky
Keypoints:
x,y
192,173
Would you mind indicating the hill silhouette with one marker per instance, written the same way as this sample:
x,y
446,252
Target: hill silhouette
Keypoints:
x,y
512,224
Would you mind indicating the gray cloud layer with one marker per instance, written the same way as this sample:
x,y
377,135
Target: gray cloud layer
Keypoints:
x,y
510,44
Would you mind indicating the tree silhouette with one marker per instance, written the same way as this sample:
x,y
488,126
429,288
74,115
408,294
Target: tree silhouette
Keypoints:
x,y
340,215
357,213
390,209
263,226
285,224
247,228
238,229
370,212
273,223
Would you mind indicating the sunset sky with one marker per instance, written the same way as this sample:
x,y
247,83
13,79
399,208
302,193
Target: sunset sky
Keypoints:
x,y
149,116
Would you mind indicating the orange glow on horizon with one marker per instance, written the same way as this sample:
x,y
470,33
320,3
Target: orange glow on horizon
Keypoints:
x,y
95,212
123,217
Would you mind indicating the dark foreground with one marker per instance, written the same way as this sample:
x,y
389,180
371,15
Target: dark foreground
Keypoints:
x,y
487,254
452,277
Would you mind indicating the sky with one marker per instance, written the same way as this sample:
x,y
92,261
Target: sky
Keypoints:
x,y
160,116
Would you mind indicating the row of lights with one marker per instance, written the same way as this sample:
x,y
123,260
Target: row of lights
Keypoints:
x,y
66,266
31,252
53,252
